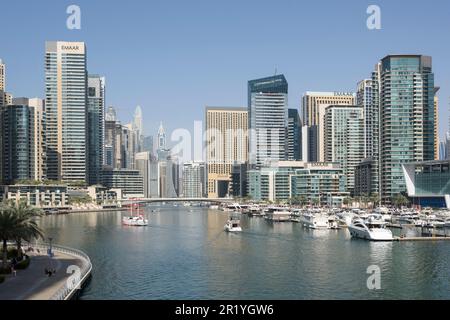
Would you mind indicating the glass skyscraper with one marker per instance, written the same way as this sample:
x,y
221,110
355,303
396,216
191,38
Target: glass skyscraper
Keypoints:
x,y
66,111
17,130
267,114
96,126
294,136
344,139
407,117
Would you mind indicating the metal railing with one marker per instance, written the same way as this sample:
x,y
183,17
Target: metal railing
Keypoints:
x,y
72,284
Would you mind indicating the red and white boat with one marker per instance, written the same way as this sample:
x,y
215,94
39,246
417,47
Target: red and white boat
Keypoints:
x,y
137,218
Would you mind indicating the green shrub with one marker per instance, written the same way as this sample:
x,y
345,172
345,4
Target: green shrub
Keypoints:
x,y
5,271
12,253
2,278
22,265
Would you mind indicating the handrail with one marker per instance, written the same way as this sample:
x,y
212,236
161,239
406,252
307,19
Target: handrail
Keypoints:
x,y
67,290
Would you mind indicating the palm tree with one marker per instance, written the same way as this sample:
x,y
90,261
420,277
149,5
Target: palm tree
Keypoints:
x,y
27,228
8,228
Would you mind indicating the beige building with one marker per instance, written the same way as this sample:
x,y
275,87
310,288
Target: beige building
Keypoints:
x,y
436,124
313,112
226,143
66,111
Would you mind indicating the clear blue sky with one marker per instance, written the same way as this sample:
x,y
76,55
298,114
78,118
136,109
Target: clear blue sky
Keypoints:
x,y
175,57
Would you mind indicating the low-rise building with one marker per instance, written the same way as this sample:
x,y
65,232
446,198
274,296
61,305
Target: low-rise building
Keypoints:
x,y
129,181
319,183
41,196
428,183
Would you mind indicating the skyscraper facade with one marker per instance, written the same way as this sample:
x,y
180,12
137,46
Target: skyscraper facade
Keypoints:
x,y
313,111
39,157
194,179
66,111
96,126
407,118
364,99
294,136
344,139
17,132
2,82
226,143
267,113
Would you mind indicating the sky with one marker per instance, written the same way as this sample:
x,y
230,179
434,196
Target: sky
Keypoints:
x,y
173,58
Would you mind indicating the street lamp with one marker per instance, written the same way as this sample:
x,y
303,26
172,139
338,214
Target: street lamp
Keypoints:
x,y
50,253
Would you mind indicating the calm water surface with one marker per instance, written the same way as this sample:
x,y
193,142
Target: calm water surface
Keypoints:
x,y
187,255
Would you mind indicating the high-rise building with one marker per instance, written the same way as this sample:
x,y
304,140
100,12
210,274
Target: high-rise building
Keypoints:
x,y
113,140
194,174
364,99
138,128
436,124
294,136
2,82
239,188
344,139
2,75
66,111
147,144
407,118
267,114
17,143
36,105
313,111
96,127
226,143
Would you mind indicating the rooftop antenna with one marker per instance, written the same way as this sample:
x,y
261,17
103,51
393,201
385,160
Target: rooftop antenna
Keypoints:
x,y
276,71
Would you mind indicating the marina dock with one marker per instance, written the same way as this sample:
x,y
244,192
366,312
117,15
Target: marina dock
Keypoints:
x,y
437,238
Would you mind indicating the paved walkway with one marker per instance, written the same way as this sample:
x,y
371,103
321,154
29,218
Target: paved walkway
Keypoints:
x,y
33,283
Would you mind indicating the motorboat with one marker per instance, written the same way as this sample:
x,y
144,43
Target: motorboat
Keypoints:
x,y
333,223
370,229
278,214
233,224
346,217
314,221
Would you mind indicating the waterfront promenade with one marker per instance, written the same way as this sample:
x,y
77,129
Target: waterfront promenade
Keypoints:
x,y
33,284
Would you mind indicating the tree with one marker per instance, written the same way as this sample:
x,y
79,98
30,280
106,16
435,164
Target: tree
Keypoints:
x,y
17,222
28,228
400,200
8,229
374,199
348,200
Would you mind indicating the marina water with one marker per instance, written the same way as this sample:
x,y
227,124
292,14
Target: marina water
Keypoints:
x,y
184,253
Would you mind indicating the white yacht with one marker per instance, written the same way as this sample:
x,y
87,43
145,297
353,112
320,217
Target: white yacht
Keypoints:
x,y
346,217
278,214
314,221
371,229
233,224
447,223
136,221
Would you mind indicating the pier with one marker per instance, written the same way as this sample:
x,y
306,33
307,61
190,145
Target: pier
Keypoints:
x,y
437,238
